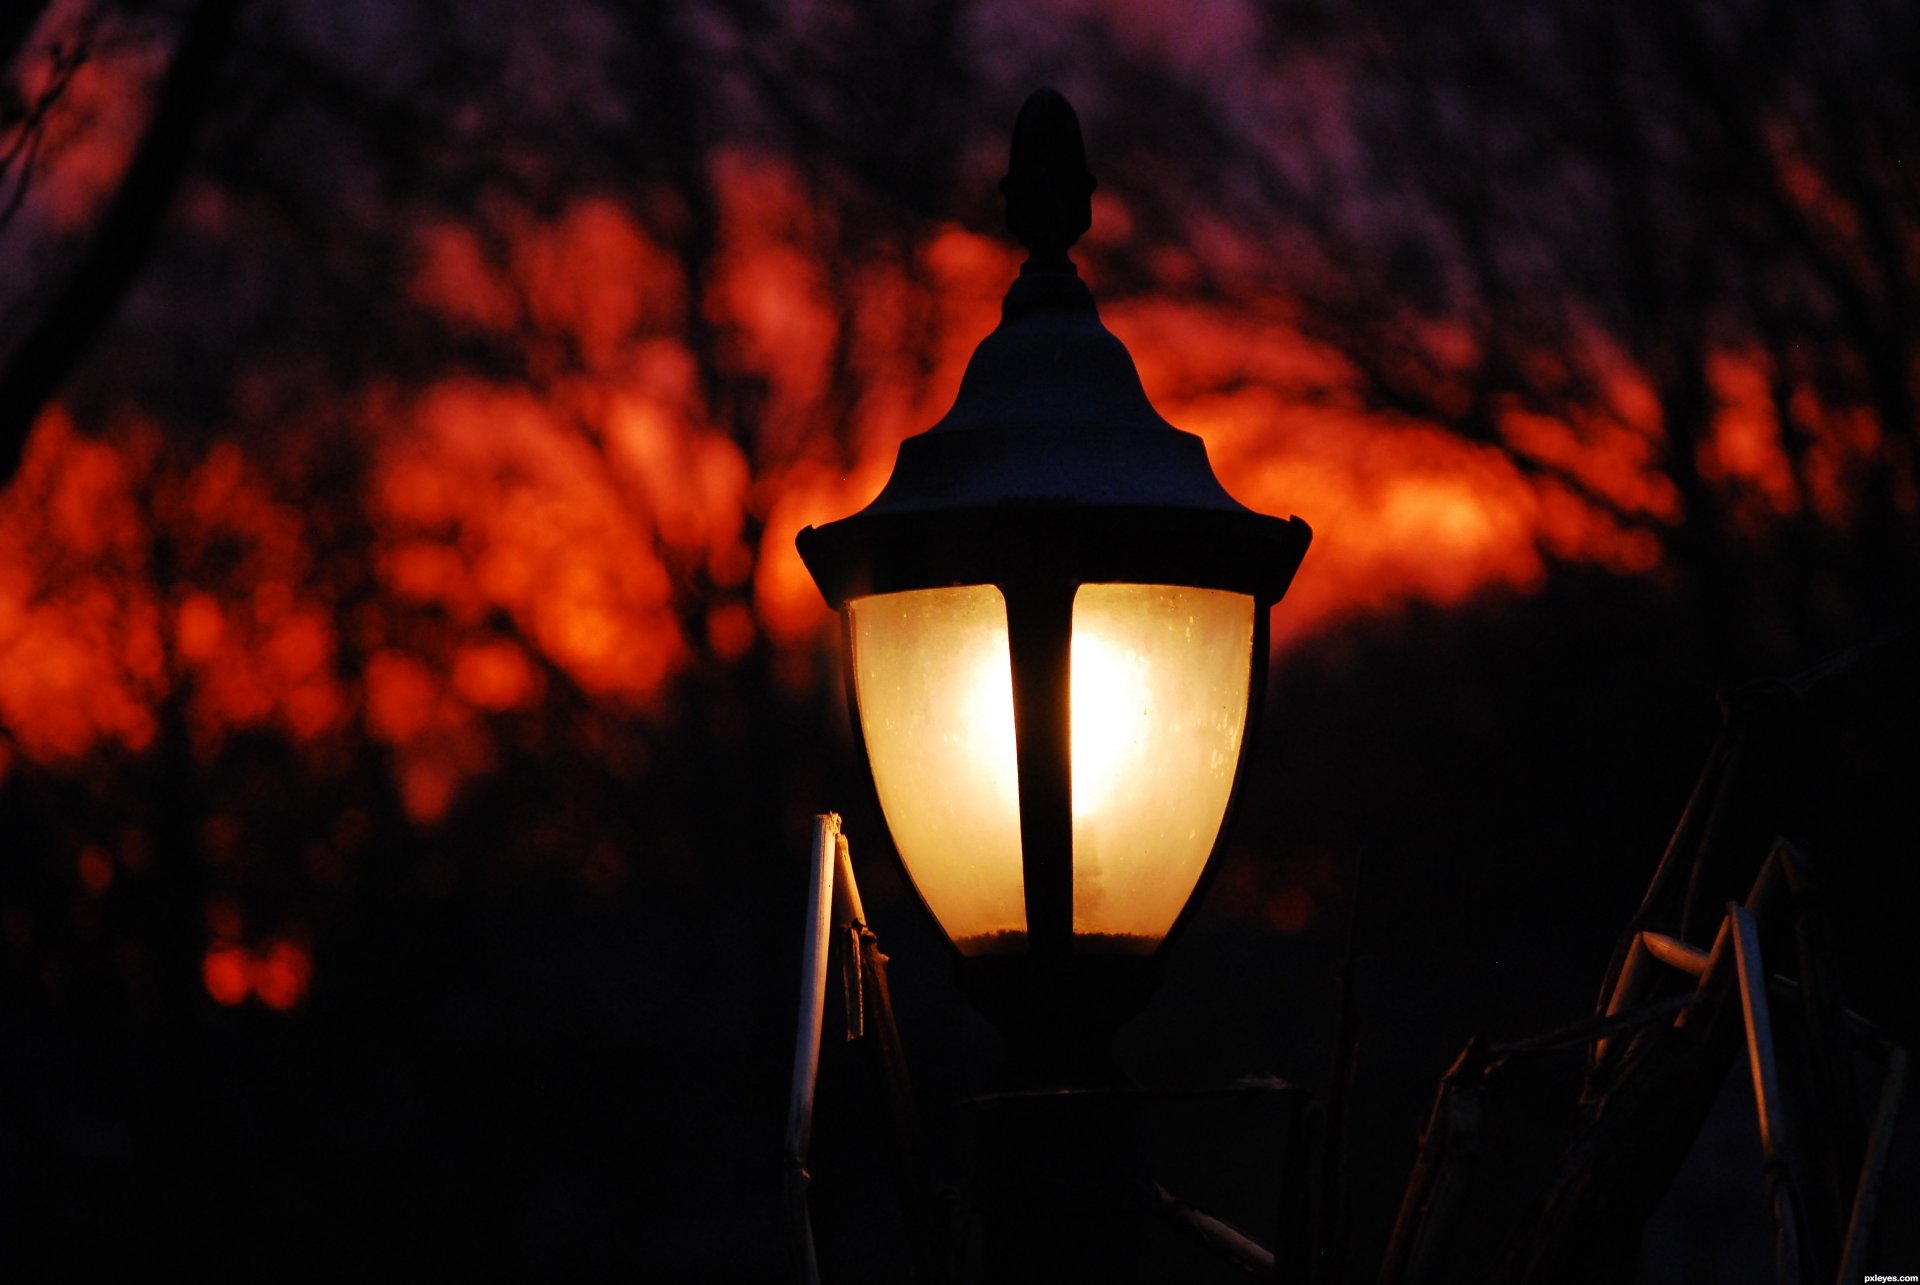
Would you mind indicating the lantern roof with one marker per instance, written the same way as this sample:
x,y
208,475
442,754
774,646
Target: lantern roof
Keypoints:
x,y
1052,464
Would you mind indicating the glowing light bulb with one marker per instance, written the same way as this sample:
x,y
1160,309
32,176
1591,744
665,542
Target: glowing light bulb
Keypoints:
x,y
984,735
1112,718
934,684
1159,691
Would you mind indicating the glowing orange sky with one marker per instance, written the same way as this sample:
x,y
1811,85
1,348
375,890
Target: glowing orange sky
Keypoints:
x,y
595,522
580,509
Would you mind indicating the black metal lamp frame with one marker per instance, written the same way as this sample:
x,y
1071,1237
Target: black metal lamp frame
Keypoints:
x,y
1051,471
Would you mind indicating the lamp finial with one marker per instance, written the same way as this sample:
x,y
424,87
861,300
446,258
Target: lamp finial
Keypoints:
x,y
1048,187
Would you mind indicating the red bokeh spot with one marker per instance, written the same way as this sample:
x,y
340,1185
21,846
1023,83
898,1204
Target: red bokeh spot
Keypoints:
x,y
197,628
428,784
228,972
96,869
730,630
400,694
277,975
281,974
494,676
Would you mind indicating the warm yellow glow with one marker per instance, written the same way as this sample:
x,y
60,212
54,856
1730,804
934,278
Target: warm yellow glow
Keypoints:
x,y
1159,707
935,691
1160,678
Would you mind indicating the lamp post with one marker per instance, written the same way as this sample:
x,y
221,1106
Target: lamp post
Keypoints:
x,y
1056,644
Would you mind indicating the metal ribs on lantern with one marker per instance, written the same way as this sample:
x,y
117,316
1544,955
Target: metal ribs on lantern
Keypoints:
x,y
1056,623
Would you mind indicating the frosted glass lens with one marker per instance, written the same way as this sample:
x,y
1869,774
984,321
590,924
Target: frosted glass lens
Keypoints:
x,y
1160,678
934,686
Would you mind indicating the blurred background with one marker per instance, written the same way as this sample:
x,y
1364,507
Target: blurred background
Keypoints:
x,y
412,707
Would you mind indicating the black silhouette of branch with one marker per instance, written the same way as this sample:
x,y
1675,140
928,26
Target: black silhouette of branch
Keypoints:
x,y
119,246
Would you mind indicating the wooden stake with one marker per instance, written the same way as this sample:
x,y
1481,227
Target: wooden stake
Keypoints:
x,y
806,1043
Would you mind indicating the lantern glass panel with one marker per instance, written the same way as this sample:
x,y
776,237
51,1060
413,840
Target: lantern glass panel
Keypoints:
x,y
934,686
1160,689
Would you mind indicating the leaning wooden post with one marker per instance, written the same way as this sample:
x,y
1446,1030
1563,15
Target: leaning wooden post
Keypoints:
x,y
806,1044
1768,1107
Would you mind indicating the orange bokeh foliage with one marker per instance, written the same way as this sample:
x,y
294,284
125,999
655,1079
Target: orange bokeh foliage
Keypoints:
x,y
80,645
553,541
494,676
593,522
1401,510
1744,452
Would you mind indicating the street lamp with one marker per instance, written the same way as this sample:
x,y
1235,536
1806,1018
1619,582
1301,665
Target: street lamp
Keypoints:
x,y
1056,646
1056,629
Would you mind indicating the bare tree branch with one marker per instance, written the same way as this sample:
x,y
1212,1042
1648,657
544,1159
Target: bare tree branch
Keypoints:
x,y
36,369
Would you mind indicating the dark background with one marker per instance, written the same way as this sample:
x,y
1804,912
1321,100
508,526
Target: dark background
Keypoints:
x,y
403,810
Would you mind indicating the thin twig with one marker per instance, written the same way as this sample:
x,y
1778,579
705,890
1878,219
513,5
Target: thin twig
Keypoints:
x,y
1222,1237
1588,1031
